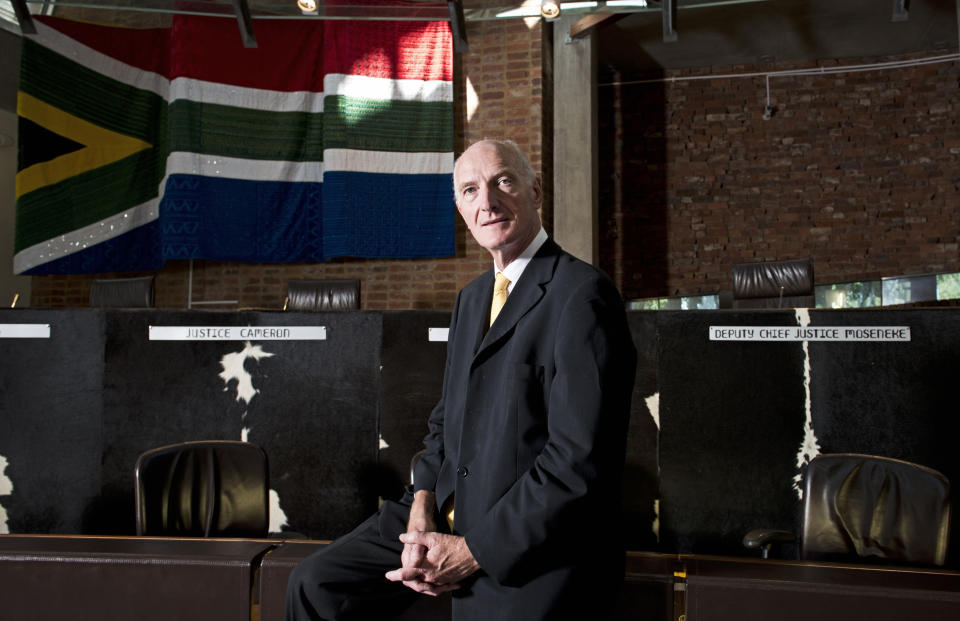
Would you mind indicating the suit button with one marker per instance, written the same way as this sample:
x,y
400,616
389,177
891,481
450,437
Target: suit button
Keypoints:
x,y
462,471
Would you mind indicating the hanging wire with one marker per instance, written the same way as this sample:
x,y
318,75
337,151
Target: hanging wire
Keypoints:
x,y
767,75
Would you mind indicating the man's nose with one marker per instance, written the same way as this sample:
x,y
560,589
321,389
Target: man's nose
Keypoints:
x,y
490,200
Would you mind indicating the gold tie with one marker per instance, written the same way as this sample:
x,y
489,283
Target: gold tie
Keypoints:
x,y
499,296
447,512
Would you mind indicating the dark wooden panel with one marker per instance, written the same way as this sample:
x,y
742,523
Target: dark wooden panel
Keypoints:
x,y
712,448
640,476
314,410
727,589
55,578
732,420
51,417
411,380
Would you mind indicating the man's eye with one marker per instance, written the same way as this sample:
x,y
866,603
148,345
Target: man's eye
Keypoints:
x,y
505,181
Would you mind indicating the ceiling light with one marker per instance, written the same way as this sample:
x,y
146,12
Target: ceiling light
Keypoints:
x,y
550,9
307,6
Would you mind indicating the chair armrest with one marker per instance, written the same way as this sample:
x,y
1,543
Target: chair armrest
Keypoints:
x,y
763,538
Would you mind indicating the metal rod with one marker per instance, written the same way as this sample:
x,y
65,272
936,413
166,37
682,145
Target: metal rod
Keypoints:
x,y
23,16
669,21
436,12
242,10
458,26
439,12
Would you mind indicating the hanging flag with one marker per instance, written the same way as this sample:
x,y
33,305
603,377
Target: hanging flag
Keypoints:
x,y
331,138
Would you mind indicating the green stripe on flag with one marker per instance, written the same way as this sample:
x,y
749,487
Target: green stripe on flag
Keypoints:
x,y
90,95
230,131
379,125
87,198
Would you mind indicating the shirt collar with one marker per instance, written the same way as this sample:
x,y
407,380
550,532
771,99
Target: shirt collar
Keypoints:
x,y
516,267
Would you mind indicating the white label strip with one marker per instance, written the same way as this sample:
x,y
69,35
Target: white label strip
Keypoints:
x,y
238,333
24,330
838,334
438,334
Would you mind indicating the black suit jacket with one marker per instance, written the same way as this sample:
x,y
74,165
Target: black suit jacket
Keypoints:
x,y
530,436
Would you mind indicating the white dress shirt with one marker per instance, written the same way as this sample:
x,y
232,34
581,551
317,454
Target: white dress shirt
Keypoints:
x,y
516,267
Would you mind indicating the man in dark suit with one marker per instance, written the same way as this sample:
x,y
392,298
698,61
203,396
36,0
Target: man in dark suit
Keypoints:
x,y
516,503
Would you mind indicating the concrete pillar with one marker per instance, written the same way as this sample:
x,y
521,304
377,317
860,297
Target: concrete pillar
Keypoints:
x,y
10,285
575,194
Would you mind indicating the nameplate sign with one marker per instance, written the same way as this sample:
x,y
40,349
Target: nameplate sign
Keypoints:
x,y
839,334
238,333
24,330
438,335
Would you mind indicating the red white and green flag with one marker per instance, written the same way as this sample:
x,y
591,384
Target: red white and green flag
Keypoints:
x,y
329,139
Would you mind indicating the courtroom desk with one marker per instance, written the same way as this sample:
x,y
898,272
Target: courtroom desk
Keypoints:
x,y
51,578
647,592
728,589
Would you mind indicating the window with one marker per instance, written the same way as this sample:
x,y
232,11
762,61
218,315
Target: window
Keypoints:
x,y
8,17
6,13
948,286
694,302
859,294
909,289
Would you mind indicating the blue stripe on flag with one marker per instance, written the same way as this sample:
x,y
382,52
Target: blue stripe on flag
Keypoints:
x,y
137,250
388,215
238,220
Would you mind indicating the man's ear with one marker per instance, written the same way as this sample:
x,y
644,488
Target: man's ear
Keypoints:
x,y
537,192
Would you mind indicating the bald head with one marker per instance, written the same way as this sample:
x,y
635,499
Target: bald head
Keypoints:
x,y
511,155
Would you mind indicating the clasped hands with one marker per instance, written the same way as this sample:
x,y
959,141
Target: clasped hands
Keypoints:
x,y
431,562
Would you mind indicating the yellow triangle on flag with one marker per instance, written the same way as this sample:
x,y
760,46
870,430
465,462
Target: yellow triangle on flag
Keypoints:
x,y
101,146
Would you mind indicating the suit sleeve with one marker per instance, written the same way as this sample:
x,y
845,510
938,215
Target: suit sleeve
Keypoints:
x,y
428,467
558,511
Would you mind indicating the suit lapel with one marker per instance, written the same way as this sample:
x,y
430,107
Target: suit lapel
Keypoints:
x,y
525,295
478,310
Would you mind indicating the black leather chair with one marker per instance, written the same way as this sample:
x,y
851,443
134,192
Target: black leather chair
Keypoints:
x,y
773,284
413,462
864,507
322,295
122,292
215,488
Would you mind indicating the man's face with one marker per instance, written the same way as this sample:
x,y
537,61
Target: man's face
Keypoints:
x,y
497,203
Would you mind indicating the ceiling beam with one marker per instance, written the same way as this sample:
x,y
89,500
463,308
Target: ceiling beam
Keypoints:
x,y
242,9
458,26
23,16
591,23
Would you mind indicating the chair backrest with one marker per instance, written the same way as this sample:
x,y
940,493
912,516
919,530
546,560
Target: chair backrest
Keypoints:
x,y
122,292
323,295
773,284
216,488
863,506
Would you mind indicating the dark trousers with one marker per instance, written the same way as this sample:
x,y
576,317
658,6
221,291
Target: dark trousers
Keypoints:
x,y
345,580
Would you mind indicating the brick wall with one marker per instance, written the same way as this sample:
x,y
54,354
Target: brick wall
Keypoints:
x,y
859,171
498,94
